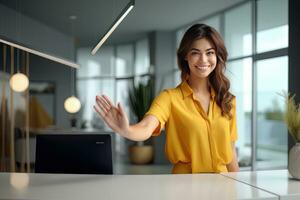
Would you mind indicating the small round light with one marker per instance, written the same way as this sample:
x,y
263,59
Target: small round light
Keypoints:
x,y
19,180
19,82
72,104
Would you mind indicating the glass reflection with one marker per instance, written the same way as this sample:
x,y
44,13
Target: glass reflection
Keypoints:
x,y
19,180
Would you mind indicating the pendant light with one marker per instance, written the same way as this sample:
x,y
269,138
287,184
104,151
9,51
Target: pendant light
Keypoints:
x,y
72,104
40,54
16,43
114,25
18,82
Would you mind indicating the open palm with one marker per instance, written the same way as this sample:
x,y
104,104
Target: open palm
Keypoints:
x,y
113,116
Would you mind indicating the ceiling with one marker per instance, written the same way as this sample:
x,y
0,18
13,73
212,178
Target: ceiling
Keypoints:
x,y
95,16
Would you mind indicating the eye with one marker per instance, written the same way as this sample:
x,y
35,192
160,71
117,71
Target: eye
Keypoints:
x,y
210,53
194,53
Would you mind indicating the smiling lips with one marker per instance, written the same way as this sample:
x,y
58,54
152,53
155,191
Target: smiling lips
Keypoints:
x,y
203,67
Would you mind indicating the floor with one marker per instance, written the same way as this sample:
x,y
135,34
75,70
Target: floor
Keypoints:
x,y
270,160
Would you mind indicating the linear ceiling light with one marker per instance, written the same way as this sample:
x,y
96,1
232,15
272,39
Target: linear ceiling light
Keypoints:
x,y
116,23
38,53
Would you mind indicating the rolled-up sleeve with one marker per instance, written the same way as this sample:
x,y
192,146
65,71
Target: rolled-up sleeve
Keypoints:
x,y
160,108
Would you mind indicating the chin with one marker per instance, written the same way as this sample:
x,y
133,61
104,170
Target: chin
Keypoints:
x,y
202,75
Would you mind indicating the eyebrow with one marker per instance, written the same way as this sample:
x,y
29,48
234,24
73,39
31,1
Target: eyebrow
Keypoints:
x,y
194,49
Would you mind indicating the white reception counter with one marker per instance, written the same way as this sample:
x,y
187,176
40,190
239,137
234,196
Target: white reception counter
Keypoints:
x,y
277,182
148,187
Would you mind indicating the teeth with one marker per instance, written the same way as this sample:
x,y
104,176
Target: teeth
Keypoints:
x,y
202,67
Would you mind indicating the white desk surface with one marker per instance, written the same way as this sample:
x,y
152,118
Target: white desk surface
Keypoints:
x,y
278,182
123,187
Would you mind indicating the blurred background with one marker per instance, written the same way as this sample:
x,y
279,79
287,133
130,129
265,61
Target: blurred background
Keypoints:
x,y
141,52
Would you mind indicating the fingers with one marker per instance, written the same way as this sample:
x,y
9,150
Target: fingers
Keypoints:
x,y
99,111
107,100
103,105
121,109
102,115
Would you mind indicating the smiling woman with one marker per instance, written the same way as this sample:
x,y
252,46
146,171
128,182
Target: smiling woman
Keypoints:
x,y
199,115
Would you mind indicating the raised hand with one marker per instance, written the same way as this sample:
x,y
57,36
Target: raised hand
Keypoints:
x,y
113,116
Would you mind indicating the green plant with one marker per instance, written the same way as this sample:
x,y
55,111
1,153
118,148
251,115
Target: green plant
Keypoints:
x,y
292,116
141,96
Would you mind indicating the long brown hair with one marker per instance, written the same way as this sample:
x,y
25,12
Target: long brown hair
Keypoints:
x,y
217,78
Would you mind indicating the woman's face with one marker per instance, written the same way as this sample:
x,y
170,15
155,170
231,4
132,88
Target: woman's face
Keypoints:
x,y
201,58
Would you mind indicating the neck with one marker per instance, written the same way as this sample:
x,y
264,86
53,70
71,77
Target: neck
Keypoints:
x,y
198,85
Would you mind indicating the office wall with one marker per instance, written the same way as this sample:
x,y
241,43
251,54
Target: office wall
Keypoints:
x,y
162,58
34,34
45,70
294,49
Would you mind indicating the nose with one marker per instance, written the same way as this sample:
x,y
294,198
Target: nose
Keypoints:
x,y
203,58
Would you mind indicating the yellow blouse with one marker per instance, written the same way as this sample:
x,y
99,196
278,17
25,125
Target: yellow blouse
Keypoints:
x,y
196,142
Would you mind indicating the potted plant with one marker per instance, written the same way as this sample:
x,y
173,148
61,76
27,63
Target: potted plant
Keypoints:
x,y
141,96
292,119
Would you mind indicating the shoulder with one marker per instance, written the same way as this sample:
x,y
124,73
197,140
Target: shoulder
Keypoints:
x,y
170,93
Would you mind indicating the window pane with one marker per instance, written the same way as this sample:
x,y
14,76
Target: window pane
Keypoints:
x,y
124,60
122,89
238,36
271,130
101,64
142,58
240,75
272,25
87,90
